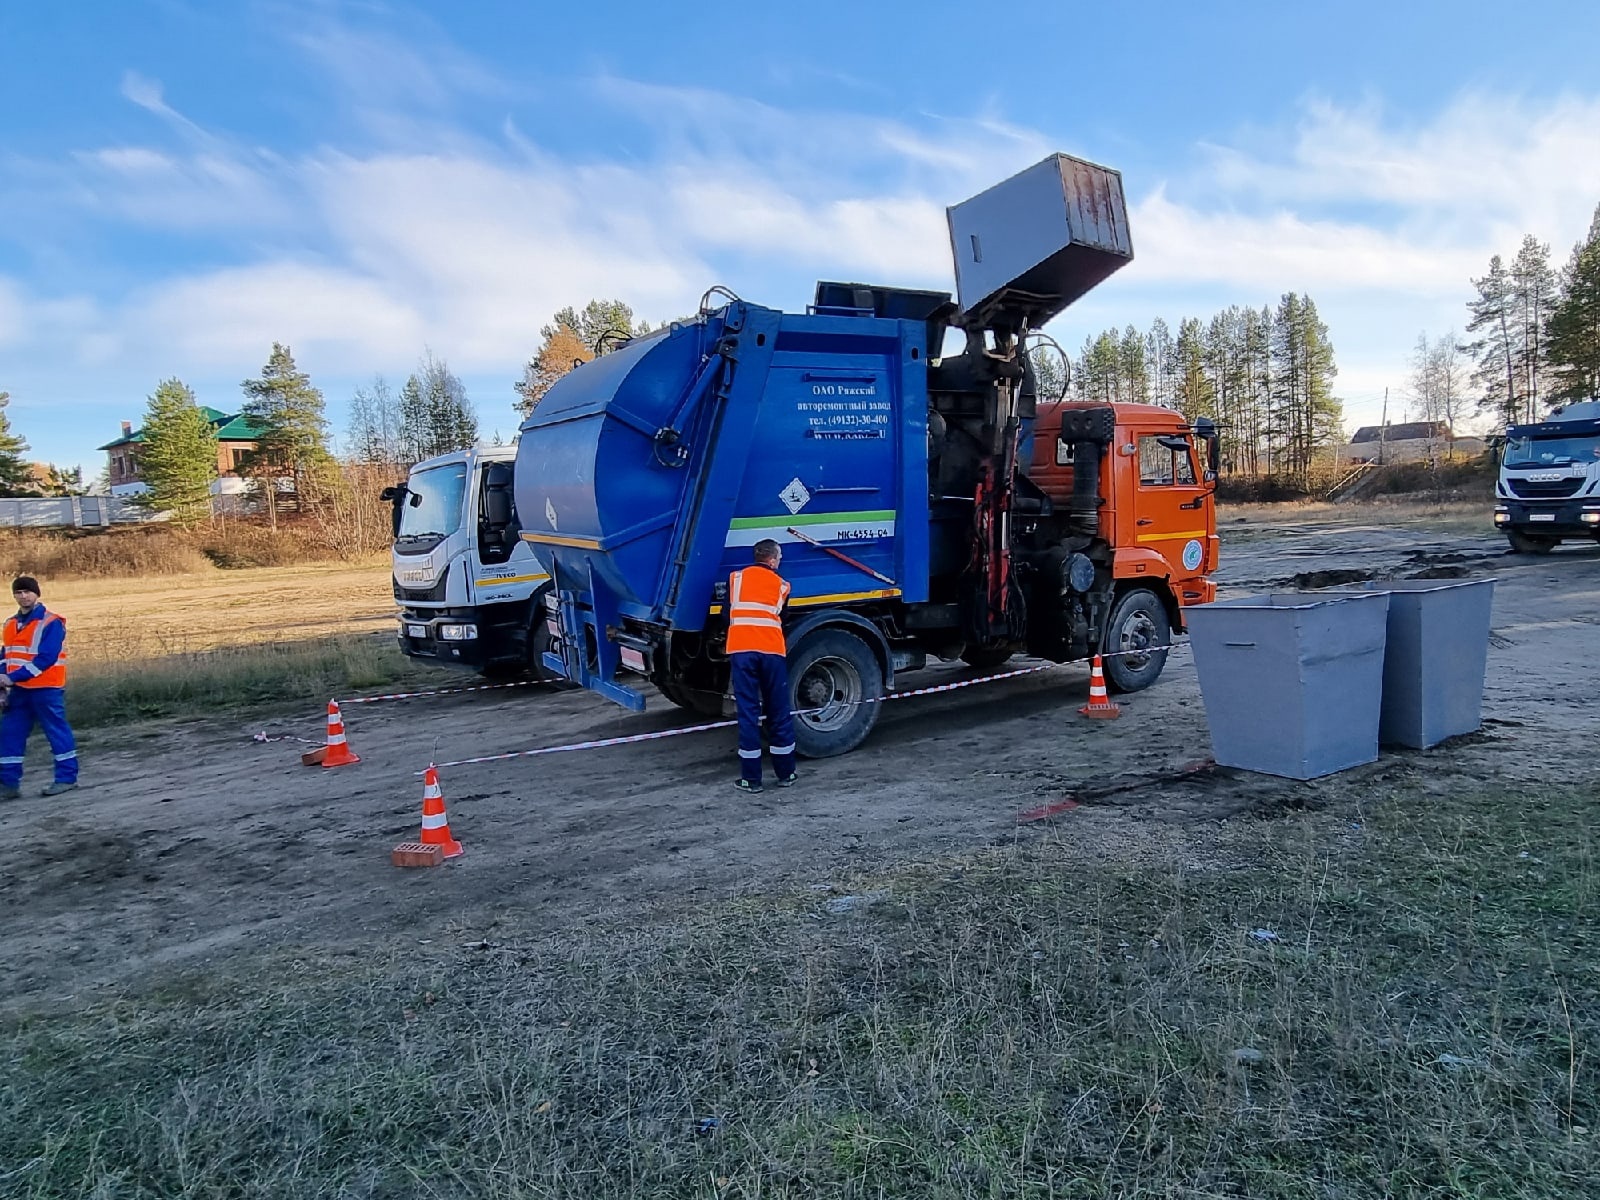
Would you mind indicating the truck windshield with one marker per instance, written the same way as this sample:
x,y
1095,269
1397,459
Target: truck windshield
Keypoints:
x,y
1551,452
432,511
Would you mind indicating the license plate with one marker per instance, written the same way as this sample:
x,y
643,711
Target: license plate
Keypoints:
x,y
1541,516
420,631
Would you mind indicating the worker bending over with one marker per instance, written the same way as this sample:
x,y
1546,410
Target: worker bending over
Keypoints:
x,y
756,596
35,682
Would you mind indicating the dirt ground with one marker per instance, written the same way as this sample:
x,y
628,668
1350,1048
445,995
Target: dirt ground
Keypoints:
x,y
190,843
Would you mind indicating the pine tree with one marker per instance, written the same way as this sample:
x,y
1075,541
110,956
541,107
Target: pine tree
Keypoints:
x,y
292,442
15,470
64,481
1533,289
1573,345
1196,394
177,454
1494,349
1159,364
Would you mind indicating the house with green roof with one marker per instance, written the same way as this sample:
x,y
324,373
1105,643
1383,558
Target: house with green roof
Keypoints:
x,y
236,436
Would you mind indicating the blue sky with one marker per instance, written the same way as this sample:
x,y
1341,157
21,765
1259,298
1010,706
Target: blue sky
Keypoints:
x,y
184,181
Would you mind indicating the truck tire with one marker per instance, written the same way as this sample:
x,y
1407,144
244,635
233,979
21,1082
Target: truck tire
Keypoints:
x,y
986,658
1138,622
1530,543
706,704
833,670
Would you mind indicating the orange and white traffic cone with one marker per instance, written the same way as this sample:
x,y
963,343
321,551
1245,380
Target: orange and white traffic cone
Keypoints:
x,y
1100,704
339,753
435,824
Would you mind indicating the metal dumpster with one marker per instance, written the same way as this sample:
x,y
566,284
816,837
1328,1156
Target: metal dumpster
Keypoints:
x,y
1292,684
1438,650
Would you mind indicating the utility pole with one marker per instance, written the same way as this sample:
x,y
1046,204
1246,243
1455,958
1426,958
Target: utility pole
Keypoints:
x,y
1383,426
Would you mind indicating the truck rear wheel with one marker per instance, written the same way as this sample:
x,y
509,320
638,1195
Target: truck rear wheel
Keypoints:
x,y
1137,637
986,658
1530,543
835,690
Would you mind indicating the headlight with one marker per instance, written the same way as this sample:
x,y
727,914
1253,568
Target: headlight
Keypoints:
x,y
1590,518
458,633
1501,516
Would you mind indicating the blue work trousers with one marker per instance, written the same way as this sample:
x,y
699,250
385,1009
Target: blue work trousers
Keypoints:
x,y
47,707
761,682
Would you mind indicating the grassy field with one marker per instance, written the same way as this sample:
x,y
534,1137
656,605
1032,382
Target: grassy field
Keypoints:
x,y
1397,999
182,644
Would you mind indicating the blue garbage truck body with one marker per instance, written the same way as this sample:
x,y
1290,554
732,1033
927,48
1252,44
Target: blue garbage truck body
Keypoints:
x,y
895,480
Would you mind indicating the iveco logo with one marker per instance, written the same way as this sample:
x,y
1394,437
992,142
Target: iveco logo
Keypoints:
x,y
1544,476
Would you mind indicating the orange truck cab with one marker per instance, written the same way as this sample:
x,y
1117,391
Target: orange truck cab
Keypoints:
x,y
1126,530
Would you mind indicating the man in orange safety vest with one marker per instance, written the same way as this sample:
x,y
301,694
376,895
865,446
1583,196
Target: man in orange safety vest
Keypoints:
x,y
756,596
35,681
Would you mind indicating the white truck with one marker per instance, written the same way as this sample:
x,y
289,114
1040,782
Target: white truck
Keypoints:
x,y
469,589
1549,485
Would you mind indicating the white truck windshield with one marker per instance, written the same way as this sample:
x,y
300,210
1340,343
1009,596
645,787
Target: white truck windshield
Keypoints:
x,y
1551,452
433,507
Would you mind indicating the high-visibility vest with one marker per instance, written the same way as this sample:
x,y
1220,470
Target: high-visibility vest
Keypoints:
x,y
756,596
22,644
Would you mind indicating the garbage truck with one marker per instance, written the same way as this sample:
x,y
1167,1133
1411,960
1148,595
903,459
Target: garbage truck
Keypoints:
x,y
470,592
1548,489
929,504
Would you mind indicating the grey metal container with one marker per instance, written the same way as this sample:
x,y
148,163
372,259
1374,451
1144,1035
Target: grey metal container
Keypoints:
x,y
1438,651
1292,683
1053,232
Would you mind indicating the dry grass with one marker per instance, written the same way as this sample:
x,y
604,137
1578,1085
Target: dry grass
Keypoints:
x,y
180,644
265,676
1033,1021
152,551
227,641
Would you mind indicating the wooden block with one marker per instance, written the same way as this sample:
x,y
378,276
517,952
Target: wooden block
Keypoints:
x,y
313,758
415,854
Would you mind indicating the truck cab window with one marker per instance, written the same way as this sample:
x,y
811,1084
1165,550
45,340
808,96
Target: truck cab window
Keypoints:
x,y
1163,464
432,511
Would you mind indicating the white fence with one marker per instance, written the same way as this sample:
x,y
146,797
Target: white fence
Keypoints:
x,y
75,512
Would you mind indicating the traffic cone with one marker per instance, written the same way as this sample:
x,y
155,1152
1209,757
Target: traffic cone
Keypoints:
x,y
339,753
435,824
1100,705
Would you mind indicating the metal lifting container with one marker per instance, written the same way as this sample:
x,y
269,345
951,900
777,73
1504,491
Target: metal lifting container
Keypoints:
x,y
1053,231
1436,657
1292,684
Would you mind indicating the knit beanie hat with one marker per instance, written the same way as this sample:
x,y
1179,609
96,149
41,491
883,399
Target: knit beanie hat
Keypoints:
x,y
25,583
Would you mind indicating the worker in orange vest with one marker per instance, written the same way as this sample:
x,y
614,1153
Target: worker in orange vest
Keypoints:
x,y
35,681
756,596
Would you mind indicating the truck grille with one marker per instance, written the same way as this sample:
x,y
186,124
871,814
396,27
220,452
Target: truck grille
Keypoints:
x,y
436,592
1558,489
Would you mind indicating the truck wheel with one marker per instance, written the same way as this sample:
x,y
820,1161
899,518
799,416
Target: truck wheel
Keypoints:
x,y
695,700
836,681
1529,543
1138,634
986,658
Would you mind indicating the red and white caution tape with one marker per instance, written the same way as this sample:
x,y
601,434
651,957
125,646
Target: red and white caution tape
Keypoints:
x,y
681,730
264,736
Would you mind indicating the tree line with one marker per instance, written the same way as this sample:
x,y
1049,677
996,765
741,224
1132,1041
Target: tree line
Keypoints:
x,y
291,461
1537,343
1264,375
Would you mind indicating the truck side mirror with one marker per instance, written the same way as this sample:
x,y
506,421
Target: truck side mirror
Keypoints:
x,y
1206,430
394,496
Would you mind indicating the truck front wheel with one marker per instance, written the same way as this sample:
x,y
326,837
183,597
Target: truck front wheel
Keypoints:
x,y
1529,543
835,690
1136,641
